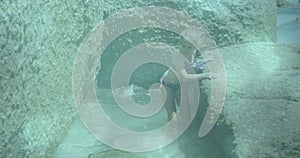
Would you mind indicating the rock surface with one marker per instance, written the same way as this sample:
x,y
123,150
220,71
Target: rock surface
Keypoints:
x,y
38,42
263,97
228,22
283,4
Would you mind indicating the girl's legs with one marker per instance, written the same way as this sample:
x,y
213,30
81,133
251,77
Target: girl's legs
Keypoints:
x,y
178,96
186,114
170,105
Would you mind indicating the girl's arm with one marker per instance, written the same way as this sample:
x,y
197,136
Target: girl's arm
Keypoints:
x,y
177,60
197,76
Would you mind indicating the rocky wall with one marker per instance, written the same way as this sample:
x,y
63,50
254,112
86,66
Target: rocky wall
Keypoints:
x,y
262,102
38,41
229,22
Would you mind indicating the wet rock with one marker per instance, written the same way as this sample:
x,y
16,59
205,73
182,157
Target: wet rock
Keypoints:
x,y
283,4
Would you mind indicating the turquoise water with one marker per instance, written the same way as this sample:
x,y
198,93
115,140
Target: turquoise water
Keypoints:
x,y
288,25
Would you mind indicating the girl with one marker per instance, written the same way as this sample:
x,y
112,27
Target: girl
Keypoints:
x,y
171,83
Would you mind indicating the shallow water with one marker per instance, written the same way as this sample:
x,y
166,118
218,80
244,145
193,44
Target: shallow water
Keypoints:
x,y
79,142
288,26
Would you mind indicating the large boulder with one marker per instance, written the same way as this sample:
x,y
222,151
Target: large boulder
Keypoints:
x,y
228,22
263,98
38,42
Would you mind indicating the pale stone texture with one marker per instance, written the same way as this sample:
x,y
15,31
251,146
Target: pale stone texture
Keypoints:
x,y
229,21
38,42
263,98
